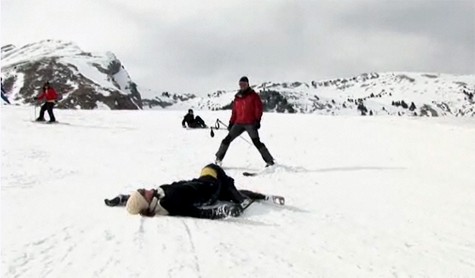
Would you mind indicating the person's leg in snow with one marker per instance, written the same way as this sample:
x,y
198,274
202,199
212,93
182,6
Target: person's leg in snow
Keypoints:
x,y
43,109
234,132
199,122
254,134
49,107
252,195
228,191
227,188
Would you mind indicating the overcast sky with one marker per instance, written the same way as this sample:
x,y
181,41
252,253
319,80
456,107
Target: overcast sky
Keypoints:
x,y
195,46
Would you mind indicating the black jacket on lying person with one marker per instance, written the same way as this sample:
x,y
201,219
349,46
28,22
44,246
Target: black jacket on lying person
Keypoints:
x,y
195,198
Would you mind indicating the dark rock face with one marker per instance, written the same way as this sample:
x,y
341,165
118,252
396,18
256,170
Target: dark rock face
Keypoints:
x,y
83,96
166,99
275,101
79,91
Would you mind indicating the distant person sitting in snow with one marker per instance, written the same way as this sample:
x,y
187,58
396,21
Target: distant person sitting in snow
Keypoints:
x,y
192,121
4,94
195,198
50,96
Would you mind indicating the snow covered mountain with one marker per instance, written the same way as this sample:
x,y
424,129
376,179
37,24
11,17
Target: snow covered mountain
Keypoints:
x,y
410,94
86,80
99,80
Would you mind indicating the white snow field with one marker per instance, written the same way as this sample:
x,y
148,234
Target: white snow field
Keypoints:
x,y
366,197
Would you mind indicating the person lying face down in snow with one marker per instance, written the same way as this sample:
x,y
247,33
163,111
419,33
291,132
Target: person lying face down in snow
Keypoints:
x,y
213,196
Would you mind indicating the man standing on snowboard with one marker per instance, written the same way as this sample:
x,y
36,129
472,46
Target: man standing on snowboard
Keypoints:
x,y
246,116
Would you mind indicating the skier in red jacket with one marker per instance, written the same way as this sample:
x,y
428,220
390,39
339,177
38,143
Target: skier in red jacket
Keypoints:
x,y
246,116
50,96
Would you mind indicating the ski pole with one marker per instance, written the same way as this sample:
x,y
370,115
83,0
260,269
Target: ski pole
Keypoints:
x,y
216,126
240,136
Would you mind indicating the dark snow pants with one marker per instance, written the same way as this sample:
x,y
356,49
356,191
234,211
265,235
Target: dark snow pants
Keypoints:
x,y
47,106
237,130
197,123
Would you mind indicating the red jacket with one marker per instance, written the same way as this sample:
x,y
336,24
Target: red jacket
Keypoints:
x,y
48,95
247,108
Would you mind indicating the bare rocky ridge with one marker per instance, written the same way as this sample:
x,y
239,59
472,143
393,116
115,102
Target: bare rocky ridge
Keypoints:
x,y
106,82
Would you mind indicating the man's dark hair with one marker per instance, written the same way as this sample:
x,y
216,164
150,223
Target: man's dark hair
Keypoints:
x,y
244,79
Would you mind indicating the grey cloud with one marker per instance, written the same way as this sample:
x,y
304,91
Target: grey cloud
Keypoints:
x,y
444,20
205,45
450,25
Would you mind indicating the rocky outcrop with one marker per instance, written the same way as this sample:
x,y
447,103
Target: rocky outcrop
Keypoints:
x,y
85,80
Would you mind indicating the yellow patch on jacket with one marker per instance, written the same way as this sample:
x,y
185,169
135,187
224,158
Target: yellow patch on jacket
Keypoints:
x,y
207,171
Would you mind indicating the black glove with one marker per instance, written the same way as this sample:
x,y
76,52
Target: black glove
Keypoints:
x,y
257,125
230,126
112,202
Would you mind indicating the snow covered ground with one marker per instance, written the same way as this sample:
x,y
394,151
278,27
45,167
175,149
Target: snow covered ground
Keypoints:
x,y
366,197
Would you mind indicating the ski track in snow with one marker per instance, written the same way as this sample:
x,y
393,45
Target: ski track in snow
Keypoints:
x,y
366,197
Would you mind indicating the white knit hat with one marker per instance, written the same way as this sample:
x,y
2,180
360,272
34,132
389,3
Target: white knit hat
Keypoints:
x,y
136,203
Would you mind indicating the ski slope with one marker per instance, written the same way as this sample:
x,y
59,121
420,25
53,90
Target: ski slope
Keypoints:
x,y
366,197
